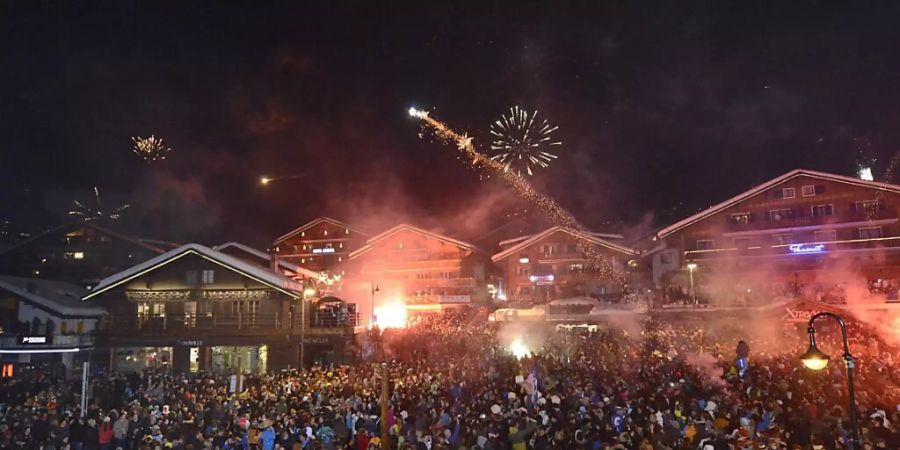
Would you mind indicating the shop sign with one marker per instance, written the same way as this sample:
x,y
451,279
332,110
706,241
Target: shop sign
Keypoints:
x,y
805,249
323,250
316,340
34,340
190,343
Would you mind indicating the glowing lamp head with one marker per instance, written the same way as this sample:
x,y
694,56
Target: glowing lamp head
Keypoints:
x,y
691,266
814,358
418,113
265,180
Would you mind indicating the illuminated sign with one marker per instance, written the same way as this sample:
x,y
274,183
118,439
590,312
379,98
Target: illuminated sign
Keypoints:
x,y
323,250
31,340
546,279
802,249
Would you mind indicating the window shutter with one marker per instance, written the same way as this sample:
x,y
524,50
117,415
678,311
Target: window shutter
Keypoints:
x,y
820,189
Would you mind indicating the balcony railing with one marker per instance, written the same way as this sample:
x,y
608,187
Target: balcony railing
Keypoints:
x,y
238,323
839,216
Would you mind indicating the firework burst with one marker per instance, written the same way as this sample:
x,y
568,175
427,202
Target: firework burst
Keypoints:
x,y
522,142
89,213
150,148
556,213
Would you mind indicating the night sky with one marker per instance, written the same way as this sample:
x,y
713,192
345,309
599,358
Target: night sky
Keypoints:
x,y
663,110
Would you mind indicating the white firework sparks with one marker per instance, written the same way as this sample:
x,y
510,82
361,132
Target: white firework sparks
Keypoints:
x,y
522,142
150,148
90,213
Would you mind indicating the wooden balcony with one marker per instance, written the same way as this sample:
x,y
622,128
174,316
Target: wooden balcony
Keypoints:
x,y
240,324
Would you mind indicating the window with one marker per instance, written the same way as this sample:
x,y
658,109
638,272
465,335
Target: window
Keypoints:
x,y
302,234
576,268
777,215
867,207
521,271
788,193
870,233
808,190
822,210
237,308
547,250
325,232
78,255
741,242
825,236
706,244
209,276
665,257
572,248
191,277
783,238
740,218
158,309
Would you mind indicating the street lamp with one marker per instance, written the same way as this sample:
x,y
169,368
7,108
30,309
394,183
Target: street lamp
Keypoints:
x,y
309,290
372,311
816,360
691,267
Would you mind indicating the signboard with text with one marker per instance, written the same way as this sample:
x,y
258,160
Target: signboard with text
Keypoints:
x,y
35,340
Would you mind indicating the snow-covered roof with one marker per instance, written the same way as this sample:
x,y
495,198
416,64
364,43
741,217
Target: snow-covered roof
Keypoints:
x,y
592,233
57,297
313,223
264,276
769,184
147,244
268,258
405,227
590,237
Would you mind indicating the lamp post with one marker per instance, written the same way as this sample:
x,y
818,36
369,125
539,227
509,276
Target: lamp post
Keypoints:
x,y
372,311
691,267
309,290
385,430
816,360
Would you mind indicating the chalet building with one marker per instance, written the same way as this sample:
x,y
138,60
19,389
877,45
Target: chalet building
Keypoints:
x,y
194,308
265,260
43,321
322,245
78,253
551,265
426,271
789,230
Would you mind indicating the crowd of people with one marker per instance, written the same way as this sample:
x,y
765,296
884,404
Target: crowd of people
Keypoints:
x,y
454,384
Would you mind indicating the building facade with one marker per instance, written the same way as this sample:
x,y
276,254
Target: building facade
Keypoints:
x,y
550,265
195,308
321,245
423,270
43,321
789,231
78,253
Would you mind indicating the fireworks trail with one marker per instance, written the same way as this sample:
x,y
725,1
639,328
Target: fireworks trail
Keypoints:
x,y
151,148
892,168
521,143
554,212
88,213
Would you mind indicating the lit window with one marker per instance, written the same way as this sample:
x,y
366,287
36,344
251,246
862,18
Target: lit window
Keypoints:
x,y
78,255
209,276
740,218
788,193
346,231
808,190
302,234
302,260
325,232
778,215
